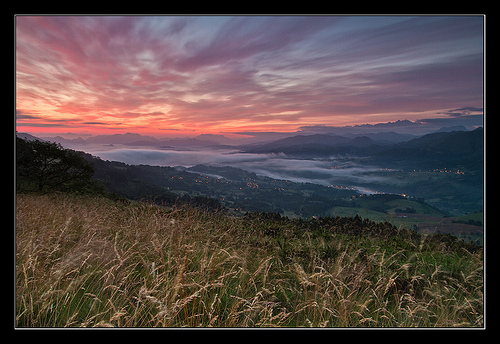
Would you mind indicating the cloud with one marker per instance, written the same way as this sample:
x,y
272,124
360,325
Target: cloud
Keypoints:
x,y
43,125
242,37
241,73
462,111
469,109
468,121
20,116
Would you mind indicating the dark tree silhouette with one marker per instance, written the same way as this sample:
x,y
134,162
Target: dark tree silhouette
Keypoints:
x,y
46,166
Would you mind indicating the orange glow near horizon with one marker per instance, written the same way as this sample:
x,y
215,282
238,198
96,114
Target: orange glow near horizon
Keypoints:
x,y
186,76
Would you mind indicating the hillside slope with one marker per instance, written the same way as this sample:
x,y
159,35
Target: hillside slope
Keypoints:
x,y
92,262
458,149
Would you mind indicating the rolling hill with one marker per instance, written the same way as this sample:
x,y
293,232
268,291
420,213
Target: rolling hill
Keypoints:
x,y
314,145
456,149
444,149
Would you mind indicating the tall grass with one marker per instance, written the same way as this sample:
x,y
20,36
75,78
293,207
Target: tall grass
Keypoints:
x,y
91,262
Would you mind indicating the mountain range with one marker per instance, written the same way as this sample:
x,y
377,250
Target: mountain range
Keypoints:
x,y
463,149
330,136
448,144
442,149
313,143
134,139
447,147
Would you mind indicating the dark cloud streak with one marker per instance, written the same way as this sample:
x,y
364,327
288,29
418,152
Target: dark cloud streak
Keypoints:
x,y
237,72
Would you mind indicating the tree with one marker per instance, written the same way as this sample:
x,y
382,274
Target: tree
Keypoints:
x,y
46,166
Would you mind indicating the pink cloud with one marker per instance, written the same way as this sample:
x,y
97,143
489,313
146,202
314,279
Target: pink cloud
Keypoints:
x,y
182,71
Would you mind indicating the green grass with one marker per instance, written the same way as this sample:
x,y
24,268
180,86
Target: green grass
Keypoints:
x,y
85,261
477,217
418,207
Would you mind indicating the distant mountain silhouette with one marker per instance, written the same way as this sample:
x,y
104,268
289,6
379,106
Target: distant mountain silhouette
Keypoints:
x,y
134,139
127,138
450,129
28,137
447,143
441,149
188,142
219,139
387,138
304,143
448,149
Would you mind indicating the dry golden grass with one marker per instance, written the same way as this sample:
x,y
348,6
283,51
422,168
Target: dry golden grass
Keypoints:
x,y
91,262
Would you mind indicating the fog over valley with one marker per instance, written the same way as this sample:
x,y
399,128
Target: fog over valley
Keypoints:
x,y
324,171
444,167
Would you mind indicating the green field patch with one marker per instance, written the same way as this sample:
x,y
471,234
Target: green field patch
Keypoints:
x,y
475,217
419,208
361,212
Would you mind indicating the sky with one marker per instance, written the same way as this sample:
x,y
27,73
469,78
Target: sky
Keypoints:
x,y
188,75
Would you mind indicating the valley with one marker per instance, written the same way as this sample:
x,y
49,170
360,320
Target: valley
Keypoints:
x,y
240,192
425,184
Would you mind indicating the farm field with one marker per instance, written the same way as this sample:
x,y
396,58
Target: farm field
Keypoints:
x,y
420,217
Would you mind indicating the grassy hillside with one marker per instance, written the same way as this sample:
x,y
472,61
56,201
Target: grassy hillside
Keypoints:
x,y
92,262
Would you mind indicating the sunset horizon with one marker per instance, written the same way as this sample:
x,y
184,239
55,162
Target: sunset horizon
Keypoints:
x,y
171,76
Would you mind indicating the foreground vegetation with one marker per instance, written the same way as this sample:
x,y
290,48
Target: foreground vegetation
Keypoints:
x,y
88,261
